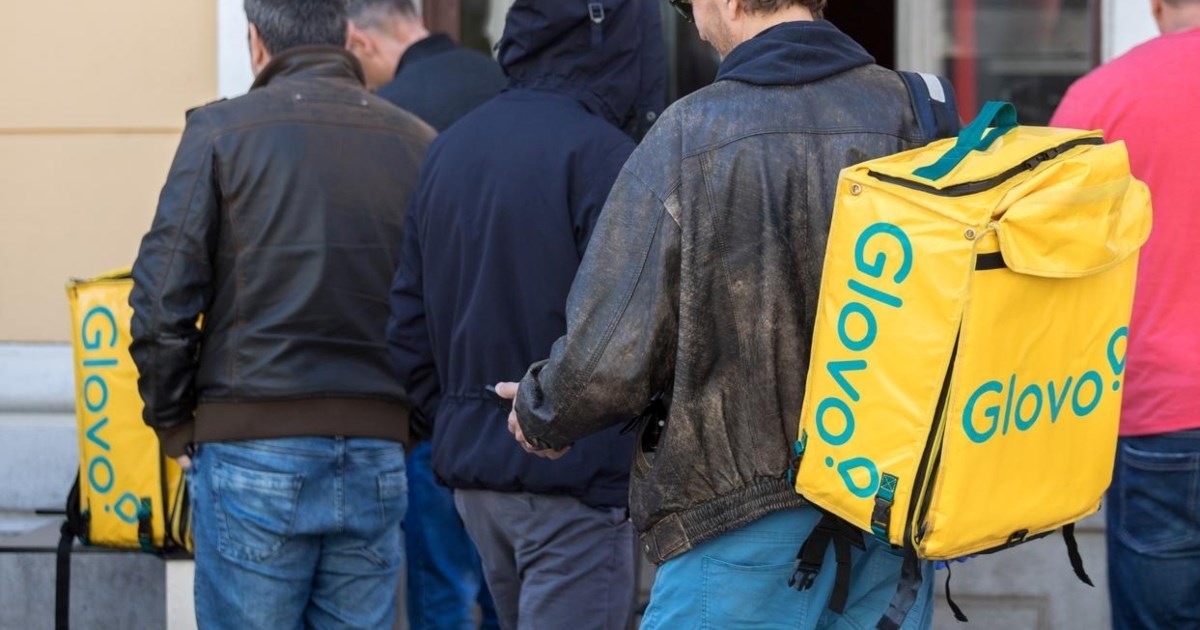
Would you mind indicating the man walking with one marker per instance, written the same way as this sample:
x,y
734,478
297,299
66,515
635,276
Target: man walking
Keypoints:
x,y
425,74
429,76
506,205
1147,98
701,285
280,222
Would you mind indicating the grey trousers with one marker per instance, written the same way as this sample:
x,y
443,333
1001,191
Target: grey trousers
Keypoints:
x,y
552,562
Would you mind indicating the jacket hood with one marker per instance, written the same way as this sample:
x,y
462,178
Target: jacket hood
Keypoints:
x,y
793,53
608,54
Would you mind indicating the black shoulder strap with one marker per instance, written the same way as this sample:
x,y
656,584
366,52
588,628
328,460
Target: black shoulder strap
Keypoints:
x,y
71,528
62,579
906,592
934,103
1068,532
841,535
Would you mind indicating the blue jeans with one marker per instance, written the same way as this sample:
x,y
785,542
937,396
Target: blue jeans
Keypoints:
x,y
740,580
298,533
1153,517
445,577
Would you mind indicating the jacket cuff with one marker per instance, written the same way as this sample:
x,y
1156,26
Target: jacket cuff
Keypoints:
x,y
536,428
175,440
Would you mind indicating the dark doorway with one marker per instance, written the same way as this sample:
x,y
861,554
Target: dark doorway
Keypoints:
x,y
871,23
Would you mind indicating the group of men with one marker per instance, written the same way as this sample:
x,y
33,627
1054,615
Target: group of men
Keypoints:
x,y
369,265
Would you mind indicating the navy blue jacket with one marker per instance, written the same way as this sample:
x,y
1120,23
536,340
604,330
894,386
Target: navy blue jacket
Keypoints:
x,y
505,206
439,82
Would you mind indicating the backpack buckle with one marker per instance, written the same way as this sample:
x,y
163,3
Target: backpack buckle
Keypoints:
x,y
804,575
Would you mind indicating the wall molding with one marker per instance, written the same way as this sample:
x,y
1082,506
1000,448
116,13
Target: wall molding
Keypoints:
x,y
36,378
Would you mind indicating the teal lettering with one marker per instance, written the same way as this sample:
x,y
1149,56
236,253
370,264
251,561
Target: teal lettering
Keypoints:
x,y
100,363
875,294
93,434
868,338
101,463
96,340
1093,377
1008,404
993,412
95,407
1057,402
123,512
1025,422
847,417
876,268
846,468
837,370
1118,365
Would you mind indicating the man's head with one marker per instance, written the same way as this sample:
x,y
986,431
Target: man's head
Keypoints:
x,y
1176,15
380,32
279,25
727,23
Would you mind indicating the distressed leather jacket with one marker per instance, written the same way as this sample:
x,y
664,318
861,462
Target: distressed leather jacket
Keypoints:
x,y
702,280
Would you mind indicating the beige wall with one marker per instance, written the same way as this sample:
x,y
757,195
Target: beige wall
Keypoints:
x,y
94,95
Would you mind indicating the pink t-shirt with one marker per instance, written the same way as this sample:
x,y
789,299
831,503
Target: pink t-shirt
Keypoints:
x,y
1150,98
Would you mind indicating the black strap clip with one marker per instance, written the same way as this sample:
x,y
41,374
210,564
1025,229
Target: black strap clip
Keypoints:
x,y
831,530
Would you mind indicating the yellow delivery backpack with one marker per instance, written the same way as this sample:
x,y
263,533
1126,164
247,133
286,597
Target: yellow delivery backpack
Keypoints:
x,y
965,381
127,494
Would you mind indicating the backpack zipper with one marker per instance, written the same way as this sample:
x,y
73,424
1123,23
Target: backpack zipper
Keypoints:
x,y
930,460
971,188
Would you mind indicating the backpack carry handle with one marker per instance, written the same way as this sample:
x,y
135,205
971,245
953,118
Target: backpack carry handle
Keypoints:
x,y
998,115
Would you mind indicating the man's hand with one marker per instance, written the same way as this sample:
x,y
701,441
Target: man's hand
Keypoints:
x,y
185,462
509,391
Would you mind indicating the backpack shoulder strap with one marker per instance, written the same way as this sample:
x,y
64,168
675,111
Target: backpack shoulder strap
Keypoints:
x,y
73,526
934,103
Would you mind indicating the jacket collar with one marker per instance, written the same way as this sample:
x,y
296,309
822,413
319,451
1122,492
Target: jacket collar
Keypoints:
x,y
312,62
429,47
793,53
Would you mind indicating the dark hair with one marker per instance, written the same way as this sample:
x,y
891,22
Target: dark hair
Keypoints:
x,y
368,13
770,6
284,24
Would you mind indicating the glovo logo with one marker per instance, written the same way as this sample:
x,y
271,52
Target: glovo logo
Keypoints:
x,y
857,330
994,410
99,334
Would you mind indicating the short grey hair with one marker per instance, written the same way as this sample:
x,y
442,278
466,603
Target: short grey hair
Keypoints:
x,y
284,24
374,13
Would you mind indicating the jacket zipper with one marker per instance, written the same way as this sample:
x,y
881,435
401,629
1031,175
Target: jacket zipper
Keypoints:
x,y
970,188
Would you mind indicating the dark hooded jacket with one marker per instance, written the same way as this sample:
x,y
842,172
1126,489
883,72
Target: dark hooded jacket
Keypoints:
x,y
703,275
503,213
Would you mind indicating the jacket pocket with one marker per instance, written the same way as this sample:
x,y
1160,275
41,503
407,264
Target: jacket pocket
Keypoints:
x,y
255,510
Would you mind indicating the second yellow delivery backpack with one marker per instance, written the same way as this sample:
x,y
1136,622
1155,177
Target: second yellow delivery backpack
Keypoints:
x,y
128,494
964,389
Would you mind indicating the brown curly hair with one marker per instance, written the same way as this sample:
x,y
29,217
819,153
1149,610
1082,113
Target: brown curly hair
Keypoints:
x,y
770,6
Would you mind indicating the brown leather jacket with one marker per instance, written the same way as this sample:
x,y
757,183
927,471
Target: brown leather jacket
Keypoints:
x,y
281,221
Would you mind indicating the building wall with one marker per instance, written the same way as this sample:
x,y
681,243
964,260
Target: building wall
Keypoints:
x,y
95,94
94,109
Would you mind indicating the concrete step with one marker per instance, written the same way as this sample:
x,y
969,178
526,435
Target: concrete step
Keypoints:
x,y
110,590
